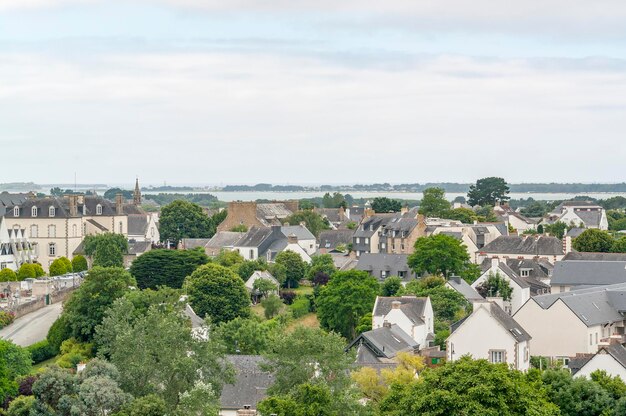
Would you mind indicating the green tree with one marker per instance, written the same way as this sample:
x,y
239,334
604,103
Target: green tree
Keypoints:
x,y
447,304
295,267
469,387
438,254
38,270
107,250
594,241
347,297
391,286
217,292
536,209
59,332
271,306
87,305
312,221
321,263
488,192
248,267
465,215
200,400
486,214
612,385
244,336
365,324
495,286
335,200
21,406
229,258
14,362
384,205
110,194
79,264
305,400
264,287
8,275
27,271
150,405
576,397
434,203
182,219
557,229
60,266
157,352
166,267
619,245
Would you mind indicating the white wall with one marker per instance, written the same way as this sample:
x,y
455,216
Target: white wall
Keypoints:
x,y
520,295
602,361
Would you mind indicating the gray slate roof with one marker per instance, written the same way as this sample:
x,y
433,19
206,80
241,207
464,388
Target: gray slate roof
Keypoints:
x,y
593,306
331,239
137,224
464,288
581,272
224,239
590,218
191,243
298,230
504,319
575,255
391,263
412,306
385,342
530,245
254,237
251,383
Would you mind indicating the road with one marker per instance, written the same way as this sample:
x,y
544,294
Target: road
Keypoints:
x,y
32,327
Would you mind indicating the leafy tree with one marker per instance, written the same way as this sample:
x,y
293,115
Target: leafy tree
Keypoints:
x,y
577,396
612,385
271,306
264,287
21,406
8,275
202,399
308,354
60,266
107,250
87,305
465,215
166,267
248,267
495,286
365,324
469,387
229,258
434,203
79,264
279,271
295,267
471,272
182,219
27,271
536,209
14,362
217,292
345,300
110,194
384,205
391,286
335,200
593,240
305,400
557,229
486,214
150,405
619,245
244,336
321,264
53,388
447,304
488,192
438,254
59,332
312,221
38,270
157,352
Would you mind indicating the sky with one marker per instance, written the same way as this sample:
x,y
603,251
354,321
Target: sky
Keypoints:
x,y
299,91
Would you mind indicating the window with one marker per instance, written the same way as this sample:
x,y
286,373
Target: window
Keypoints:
x,y
33,212
16,211
358,240
52,231
382,245
524,272
401,274
367,240
34,231
52,249
74,231
526,354
98,209
51,212
496,356
251,254
590,339
383,274
84,228
121,227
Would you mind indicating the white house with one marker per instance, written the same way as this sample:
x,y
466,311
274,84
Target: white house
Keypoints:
x,y
492,334
260,275
143,227
610,358
474,237
514,219
584,214
565,324
412,314
521,288
267,242
524,247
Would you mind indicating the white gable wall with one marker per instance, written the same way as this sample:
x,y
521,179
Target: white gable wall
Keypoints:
x,y
518,298
603,361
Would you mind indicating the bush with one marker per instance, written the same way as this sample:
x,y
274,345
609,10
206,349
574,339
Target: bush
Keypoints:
x,y
166,267
41,351
74,352
6,318
271,305
79,264
26,271
300,307
25,385
39,271
7,275
59,332
21,406
60,266
288,296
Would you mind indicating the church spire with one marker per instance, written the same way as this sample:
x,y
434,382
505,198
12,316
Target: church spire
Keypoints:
x,y
137,193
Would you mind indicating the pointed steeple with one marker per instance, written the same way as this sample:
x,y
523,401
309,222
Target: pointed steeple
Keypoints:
x,y
137,193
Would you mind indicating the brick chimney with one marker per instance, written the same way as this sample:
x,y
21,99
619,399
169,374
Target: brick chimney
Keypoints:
x,y
119,204
292,205
73,202
396,304
292,238
386,324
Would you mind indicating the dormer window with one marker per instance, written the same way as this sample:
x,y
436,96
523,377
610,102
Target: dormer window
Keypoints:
x,y
51,212
33,212
16,211
98,209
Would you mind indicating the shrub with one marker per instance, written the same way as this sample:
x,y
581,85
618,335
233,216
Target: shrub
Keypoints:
x,y
288,296
25,385
59,332
38,270
79,264
41,351
22,406
6,318
60,266
300,307
7,275
26,271
271,306
73,352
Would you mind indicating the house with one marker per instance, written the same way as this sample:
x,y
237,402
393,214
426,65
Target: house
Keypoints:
x,y
578,321
514,219
412,314
366,238
250,387
492,334
267,242
339,218
609,358
9,200
335,241
253,214
473,236
344,261
192,243
15,247
583,214
457,283
222,240
260,275
378,348
381,266
578,274
524,247
143,227
398,236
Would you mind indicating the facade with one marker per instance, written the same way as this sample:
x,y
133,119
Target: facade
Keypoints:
x,y
610,358
473,236
15,247
143,227
411,314
514,219
267,242
492,334
575,322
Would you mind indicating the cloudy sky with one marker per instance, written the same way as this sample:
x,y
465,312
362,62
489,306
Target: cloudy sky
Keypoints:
x,y
299,91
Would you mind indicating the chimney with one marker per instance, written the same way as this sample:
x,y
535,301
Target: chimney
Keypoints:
x,y
396,304
495,261
404,209
386,324
498,301
292,238
480,303
368,212
292,205
73,200
119,204
567,244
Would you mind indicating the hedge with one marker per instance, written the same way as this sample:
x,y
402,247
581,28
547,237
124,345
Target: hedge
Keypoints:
x,y
41,351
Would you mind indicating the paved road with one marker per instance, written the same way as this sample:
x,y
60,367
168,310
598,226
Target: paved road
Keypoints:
x,y
32,327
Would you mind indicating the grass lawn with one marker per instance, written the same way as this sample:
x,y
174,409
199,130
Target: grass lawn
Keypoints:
x,y
42,364
303,290
258,310
309,320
